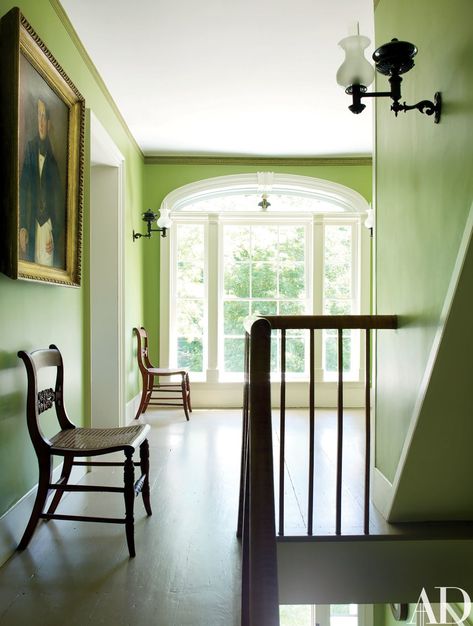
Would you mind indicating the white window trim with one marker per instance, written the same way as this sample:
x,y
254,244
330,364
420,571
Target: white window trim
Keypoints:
x,y
351,204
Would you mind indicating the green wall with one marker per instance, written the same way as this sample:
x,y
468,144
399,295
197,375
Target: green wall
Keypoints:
x,y
35,315
382,615
161,179
424,190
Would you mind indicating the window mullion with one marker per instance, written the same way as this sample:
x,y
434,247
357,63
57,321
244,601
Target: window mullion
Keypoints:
x,y
212,282
318,288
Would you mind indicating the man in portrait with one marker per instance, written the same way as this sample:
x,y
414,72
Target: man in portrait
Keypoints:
x,y
41,234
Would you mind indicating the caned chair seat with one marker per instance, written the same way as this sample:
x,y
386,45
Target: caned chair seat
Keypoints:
x,y
84,440
155,392
71,442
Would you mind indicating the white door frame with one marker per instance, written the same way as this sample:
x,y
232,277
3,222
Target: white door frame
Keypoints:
x,y
106,279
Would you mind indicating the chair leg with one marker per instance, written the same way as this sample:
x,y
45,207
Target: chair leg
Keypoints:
x,y
184,396
149,391
65,473
45,472
129,480
188,388
144,464
142,408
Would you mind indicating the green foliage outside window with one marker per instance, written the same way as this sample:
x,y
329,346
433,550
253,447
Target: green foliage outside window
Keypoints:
x,y
264,274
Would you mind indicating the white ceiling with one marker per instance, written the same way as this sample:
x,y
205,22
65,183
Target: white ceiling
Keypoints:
x,y
228,77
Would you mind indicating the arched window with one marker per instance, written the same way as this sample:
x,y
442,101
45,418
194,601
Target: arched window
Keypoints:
x,y
227,258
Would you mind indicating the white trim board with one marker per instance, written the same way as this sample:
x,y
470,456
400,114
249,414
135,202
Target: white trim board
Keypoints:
x,y
384,493
14,521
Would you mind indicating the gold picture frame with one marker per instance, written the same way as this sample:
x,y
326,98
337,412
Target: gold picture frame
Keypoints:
x,y
42,116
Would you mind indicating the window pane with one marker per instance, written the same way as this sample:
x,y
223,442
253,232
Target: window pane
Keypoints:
x,y
295,353
337,280
343,615
234,355
337,244
291,243
337,307
292,280
331,352
190,354
295,615
291,308
264,307
237,243
263,279
234,314
190,319
237,280
190,241
190,323
337,261
190,280
272,283
264,243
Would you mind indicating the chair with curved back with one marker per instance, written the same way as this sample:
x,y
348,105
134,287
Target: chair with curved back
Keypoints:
x,y
71,442
155,392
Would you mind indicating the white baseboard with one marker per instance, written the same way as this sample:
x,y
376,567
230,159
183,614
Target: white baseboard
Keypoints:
x,y
382,492
131,409
230,395
14,521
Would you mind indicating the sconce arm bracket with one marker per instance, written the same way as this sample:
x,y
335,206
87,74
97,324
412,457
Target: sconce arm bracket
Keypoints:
x,y
424,106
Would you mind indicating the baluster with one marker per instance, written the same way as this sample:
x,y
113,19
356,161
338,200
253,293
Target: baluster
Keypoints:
x,y
244,437
366,528
310,505
282,429
338,513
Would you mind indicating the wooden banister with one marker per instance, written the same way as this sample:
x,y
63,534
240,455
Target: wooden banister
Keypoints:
x,y
256,517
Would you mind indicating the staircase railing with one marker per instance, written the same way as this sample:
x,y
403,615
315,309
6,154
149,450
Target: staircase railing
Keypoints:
x,y
256,516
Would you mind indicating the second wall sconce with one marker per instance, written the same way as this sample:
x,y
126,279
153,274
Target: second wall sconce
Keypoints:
x,y
163,223
391,59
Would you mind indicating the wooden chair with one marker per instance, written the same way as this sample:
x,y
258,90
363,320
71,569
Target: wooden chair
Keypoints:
x,y
71,442
155,390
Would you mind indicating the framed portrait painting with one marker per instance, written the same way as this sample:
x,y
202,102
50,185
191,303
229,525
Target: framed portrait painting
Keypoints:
x,y
42,145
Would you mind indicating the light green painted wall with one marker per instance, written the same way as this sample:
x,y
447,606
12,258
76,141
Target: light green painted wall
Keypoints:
x,y
159,180
34,315
424,191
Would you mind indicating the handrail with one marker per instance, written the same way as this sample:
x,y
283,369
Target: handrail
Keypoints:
x,y
326,322
256,516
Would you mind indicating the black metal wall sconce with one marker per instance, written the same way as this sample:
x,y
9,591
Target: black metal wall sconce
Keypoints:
x,y
163,223
391,59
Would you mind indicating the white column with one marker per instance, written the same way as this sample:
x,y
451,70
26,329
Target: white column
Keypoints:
x,y
317,288
212,298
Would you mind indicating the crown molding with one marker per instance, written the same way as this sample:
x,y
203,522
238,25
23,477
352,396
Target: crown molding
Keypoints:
x,y
62,15
259,161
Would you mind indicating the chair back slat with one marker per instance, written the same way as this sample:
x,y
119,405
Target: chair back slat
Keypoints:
x,y
40,401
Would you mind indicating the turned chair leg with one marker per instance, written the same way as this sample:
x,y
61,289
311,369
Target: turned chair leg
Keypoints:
x,y
65,474
144,465
45,473
129,493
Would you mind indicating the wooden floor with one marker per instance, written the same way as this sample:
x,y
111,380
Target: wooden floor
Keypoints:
x,y
187,568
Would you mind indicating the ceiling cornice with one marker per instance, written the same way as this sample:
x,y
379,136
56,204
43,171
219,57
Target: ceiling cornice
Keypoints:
x,y
62,15
260,161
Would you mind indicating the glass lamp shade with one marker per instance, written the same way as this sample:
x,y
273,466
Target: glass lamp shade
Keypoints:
x,y
164,220
355,69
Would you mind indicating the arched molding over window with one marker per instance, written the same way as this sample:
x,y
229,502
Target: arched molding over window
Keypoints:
x,y
327,196
225,258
